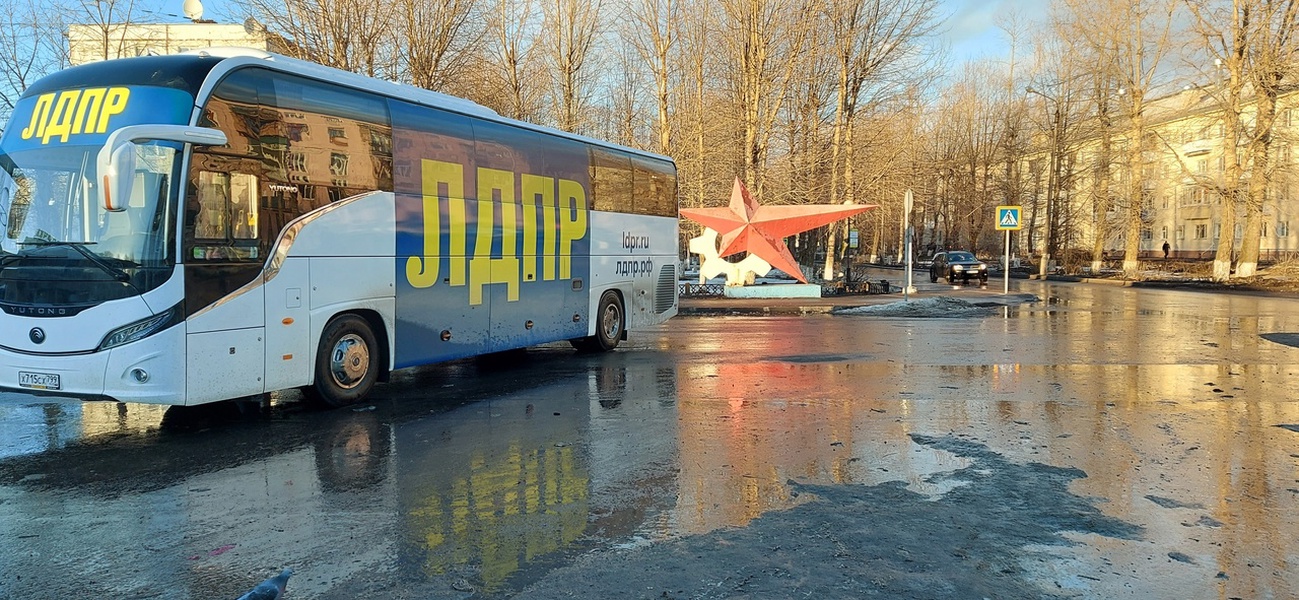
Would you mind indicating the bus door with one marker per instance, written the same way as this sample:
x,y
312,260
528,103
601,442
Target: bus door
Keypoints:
x,y
225,301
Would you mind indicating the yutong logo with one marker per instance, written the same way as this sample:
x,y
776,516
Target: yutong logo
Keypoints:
x,y
37,335
38,311
41,311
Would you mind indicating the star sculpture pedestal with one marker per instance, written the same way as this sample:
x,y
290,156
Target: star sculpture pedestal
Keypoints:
x,y
759,230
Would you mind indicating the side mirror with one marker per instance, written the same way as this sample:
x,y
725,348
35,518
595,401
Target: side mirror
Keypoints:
x,y
116,176
116,160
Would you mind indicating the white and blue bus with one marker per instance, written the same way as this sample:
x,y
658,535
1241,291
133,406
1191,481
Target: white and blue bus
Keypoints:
x,y
227,222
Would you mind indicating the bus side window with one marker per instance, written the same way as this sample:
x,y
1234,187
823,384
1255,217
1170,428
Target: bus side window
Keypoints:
x,y
655,185
611,181
210,220
243,206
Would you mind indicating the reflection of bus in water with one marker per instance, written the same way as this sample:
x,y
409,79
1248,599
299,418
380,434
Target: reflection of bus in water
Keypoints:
x,y
193,228
490,491
570,469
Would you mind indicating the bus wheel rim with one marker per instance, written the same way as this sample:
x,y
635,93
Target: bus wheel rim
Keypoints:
x,y
349,361
609,321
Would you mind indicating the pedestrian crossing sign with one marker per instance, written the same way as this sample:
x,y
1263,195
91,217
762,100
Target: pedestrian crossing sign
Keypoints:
x,y
1008,217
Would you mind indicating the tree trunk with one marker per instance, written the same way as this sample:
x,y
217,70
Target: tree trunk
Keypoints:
x,y
1132,231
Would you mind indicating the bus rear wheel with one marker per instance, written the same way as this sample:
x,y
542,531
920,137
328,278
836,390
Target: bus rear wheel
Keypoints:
x,y
345,362
609,324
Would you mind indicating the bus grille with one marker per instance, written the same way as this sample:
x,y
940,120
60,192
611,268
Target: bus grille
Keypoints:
x,y
665,295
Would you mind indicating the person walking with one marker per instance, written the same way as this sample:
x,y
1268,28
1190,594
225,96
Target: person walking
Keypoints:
x,y
1166,249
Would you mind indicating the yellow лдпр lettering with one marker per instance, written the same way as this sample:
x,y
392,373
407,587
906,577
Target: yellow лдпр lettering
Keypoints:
x,y
72,112
563,223
483,268
537,191
572,222
422,272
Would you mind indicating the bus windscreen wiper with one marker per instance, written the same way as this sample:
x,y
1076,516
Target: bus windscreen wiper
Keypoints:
x,y
80,247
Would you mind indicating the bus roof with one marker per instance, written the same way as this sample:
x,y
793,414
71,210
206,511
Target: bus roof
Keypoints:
x,y
197,71
234,57
182,72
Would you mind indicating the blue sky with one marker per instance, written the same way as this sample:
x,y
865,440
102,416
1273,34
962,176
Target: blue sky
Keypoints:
x,y
972,29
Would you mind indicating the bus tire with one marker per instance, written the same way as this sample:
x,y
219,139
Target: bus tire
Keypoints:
x,y
610,319
345,362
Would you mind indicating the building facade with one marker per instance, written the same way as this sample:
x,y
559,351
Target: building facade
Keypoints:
x,y
1185,165
92,42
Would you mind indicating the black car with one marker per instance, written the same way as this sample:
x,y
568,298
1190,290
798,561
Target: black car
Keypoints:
x,y
958,265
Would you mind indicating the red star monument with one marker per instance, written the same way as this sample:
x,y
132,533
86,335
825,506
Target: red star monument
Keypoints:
x,y
761,230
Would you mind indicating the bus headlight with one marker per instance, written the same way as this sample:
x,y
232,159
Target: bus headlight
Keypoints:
x,y
140,329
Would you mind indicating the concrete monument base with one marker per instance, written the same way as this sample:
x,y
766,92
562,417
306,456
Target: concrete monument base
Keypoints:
x,y
773,290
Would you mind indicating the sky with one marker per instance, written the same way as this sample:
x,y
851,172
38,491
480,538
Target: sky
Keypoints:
x,y
972,27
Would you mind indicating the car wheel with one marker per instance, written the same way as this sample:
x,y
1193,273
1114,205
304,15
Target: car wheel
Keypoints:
x,y
346,366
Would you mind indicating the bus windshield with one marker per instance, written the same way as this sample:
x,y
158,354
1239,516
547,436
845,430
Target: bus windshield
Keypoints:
x,y
59,245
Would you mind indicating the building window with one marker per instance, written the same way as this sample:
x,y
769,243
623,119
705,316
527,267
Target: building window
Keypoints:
x,y
1201,231
1265,230
1217,230
1163,232
1222,164
1181,232
1282,228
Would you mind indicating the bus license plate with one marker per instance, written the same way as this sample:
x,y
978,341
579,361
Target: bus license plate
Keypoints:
x,y
39,381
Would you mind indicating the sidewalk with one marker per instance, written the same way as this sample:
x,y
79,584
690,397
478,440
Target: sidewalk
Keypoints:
x,y
719,305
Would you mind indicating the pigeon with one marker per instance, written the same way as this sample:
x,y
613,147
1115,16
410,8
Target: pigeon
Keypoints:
x,y
271,589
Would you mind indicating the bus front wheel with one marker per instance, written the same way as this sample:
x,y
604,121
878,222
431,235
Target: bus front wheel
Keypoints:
x,y
609,324
345,363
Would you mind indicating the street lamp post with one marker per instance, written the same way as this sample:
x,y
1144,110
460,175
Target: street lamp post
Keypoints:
x,y
1052,182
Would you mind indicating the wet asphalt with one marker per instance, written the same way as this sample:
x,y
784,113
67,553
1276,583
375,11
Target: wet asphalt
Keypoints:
x,y
1074,441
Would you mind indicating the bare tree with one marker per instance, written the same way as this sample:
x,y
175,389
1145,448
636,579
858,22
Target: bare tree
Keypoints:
x,y
31,46
875,42
1138,34
574,27
509,48
1227,45
353,35
652,28
1271,53
436,39
763,40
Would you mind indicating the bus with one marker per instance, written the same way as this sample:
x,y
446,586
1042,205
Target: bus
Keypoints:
x,y
227,222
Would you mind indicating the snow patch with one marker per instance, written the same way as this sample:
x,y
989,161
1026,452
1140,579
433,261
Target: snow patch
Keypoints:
x,y
939,307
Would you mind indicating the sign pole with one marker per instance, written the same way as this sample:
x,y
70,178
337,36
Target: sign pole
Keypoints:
x,y
906,228
1005,284
1007,220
